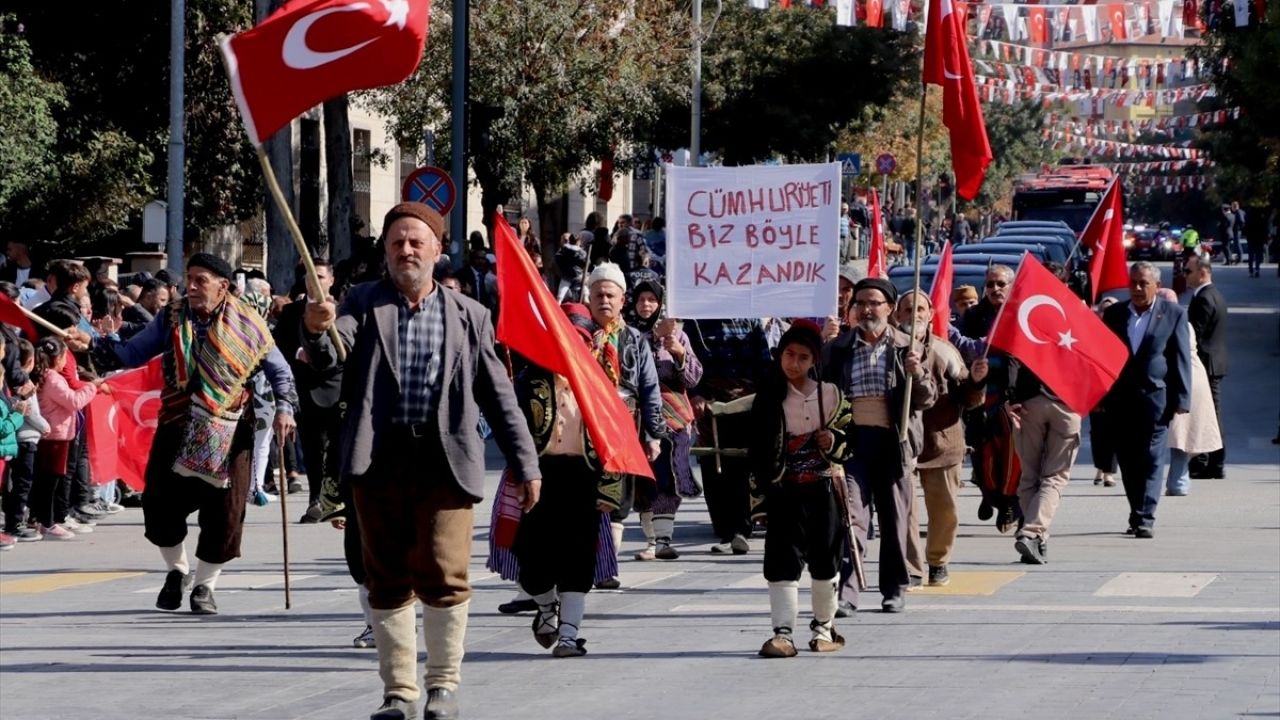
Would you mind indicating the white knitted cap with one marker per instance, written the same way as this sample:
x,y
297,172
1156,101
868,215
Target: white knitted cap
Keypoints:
x,y
610,272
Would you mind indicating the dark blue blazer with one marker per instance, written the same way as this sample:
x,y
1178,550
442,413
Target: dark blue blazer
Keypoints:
x,y
1156,380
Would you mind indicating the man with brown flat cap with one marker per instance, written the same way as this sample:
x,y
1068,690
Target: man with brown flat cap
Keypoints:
x,y
420,369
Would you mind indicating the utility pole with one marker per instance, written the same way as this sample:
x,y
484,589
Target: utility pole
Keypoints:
x,y
458,131
695,120
177,143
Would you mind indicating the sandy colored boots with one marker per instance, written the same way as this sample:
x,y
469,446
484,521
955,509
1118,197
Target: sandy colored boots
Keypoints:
x,y
445,632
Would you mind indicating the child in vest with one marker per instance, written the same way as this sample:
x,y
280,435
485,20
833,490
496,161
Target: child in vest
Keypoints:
x,y
23,467
797,488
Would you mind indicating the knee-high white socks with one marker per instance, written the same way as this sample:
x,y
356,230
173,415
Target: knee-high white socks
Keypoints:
x,y
175,558
663,528
364,605
784,602
207,574
616,527
573,605
824,600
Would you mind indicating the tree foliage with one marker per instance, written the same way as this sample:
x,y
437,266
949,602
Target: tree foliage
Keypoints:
x,y
893,128
1242,63
27,127
1017,147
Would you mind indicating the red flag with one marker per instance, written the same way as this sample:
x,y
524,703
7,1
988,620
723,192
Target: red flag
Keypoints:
x,y
1044,325
1119,28
940,294
877,258
532,324
122,425
11,314
946,64
875,13
1104,235
1038,25
309,51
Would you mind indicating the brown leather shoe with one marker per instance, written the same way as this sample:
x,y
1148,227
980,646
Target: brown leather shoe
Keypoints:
x,y
825,637
778,646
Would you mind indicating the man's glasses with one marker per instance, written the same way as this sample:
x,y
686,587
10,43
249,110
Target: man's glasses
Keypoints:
x,y
869,304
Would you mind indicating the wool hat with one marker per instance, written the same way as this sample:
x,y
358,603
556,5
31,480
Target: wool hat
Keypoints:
x,y
580,318
884,286
213,264
610,272
415,210
964,292
852,273
804,332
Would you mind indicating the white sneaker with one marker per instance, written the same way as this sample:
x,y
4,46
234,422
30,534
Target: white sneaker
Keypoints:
x,y
365,638
76,526
56,532
112,508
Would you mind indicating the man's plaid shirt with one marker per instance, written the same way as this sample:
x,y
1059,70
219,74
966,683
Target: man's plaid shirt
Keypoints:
x,y
421,358
869,366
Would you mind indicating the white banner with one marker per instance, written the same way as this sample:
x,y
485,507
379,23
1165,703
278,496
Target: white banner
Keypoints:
x,y
760,4
1242,13
845,15
1089,14
752,242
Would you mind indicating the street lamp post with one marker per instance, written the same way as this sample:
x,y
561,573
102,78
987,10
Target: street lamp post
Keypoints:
x,y
458,131
695,119
177,144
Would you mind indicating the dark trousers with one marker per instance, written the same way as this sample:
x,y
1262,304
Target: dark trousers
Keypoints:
x,y
1140,447
556,542
728,495
805,528
81,486
415,524
318,431
22,475
170,498
1102,438
352,548
1213,465
876,475
1255,256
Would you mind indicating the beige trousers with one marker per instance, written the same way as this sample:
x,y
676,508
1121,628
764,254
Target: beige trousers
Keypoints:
x,y
941,486
1047,441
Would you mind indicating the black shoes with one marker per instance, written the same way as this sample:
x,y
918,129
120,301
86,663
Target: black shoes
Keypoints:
x,y
985,511
1031,549
895,604
938,576
914,583
393,708
1144,533
609,584
845,609
202,601
175,586
441,705
515,607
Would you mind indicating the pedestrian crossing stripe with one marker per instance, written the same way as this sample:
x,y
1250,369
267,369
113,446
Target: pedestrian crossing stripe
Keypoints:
x,y
972,583
49,582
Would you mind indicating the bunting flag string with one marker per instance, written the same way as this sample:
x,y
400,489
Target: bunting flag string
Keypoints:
x,y
1010,91
1166,69
1138,74
1060,140
1050,23
1130,128
1168,184
1158,166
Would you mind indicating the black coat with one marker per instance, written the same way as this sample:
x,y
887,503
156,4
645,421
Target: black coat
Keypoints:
x,y
1208,315
321,388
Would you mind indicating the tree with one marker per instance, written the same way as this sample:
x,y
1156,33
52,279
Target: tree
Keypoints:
x,y
554,87
786,82
337,157
892,128
1242,63
27,128
1017,147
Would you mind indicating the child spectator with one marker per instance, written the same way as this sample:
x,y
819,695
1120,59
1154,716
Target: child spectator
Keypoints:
x,y
23,467
59,404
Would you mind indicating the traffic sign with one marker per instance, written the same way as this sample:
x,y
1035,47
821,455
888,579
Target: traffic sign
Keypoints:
x,y
886,164
432,187
850,164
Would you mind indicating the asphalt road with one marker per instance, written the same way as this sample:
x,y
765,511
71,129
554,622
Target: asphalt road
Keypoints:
x,y
1185,626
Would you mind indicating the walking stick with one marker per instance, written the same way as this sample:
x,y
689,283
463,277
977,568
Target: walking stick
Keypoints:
x,y
283,484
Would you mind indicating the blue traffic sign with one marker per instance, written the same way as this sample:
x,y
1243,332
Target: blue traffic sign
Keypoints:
x,y
850,164
432,187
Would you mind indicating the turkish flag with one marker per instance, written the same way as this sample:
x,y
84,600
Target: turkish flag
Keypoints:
x,y
532,324
877,258
946,64
1119,27
309,51
122,425
11,314
875,13
940,293
1044,325
1038,24
1104,235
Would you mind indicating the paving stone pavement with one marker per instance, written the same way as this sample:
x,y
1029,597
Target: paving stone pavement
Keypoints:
x,y
1184,626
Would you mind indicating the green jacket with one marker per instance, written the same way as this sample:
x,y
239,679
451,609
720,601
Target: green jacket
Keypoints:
x,y
10,421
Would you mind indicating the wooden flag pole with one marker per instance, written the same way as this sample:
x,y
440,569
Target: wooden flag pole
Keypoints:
x,y
282,484
43,323
313,284
906,395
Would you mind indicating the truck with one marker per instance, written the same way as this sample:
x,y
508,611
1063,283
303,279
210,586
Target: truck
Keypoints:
x,y
1068,191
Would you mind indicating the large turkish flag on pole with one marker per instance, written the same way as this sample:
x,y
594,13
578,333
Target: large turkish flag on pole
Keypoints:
x,y
309,51
940,293
122,425
947,65
1044,325
877,257
1104,235
532,324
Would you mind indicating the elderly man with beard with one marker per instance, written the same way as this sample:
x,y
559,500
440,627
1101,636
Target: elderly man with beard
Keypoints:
x,y
624,354
871,364
420,368
938,466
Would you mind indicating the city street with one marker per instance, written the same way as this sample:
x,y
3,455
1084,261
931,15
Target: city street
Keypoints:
x,y
1183,626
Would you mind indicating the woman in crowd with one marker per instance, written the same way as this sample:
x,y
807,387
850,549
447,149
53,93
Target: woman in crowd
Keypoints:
x,y
678,370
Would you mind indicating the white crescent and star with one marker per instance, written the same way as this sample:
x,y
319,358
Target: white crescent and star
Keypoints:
x,y
136,410
1065,339
297,54
537,313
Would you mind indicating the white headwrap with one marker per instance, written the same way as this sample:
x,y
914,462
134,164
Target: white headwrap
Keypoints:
x,y
610,272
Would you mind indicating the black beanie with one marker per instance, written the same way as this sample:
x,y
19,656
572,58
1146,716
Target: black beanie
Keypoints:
x,y
213,264
884,286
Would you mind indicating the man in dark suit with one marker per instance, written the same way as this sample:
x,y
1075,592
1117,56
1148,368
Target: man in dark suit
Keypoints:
x,y
420,367
1154,385
1208,315
19,267
319,412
